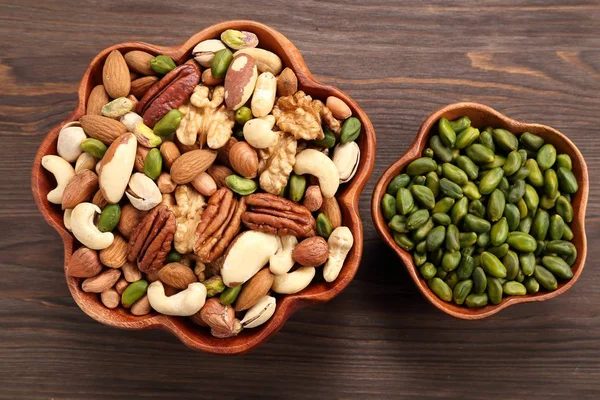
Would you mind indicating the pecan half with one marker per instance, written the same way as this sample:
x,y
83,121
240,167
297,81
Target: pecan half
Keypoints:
x,y
278,216
170,92
219,225
151,240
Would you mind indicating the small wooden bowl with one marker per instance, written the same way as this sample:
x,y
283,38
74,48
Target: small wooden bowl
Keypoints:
x,y
192,335
482,116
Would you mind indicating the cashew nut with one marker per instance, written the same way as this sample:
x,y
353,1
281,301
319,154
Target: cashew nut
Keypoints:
x,y
293,282
82,226
62,171
263,98
246,256
259,313
340,242
183,304
69,141
85,161
282,261
67,218
315,163
258,132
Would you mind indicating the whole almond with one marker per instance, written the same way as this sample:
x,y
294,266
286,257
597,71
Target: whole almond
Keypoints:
x,y
244,160
338,108
140,86
176,275
121,285
115,75
204,184
332,211
313,198
131,272
219,173
99,200
102,128
311,252
130,219
170,153
223,152
140,158
110,298
141,307
191,164
139,61
84,263
101,282
96,100
80,188
133,76
287,83
256,288
115,255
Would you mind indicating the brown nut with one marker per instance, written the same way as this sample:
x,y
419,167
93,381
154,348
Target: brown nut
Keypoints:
x,y
102,128
96,100
101,282
311,252
141,307
332,211
140,86
130,219
240,81
219,173
131,272
80,188
223,152
110,298
176,275
121,285
220,318
204,184
209,80
115,75
140,158
338,108
191,164
170,153
287,83
139,61
115,255
243,160
165,183
256,288
84,263
313,198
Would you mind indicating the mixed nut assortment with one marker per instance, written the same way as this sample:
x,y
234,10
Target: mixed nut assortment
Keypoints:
x,y
485,214
204,189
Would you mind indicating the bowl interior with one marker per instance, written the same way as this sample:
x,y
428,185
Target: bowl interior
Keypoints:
x,y
190,334
482,116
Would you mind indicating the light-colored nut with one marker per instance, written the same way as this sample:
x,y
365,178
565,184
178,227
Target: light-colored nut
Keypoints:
x,y
340,242
96,100
276,163
115,75
187,205
315,163
183,304
131,272
118,107
331,209
97,169
116,167
249,252
266,61
263,98
258,132
338,108
85,161
130,120
115,255
170,153
294,281
191,164
67,218
130,219
110,298
204,184
313,199
176,275
199,271
255,289
205,51
165,183
84,230
80,188
346,158
101,282
287,83
281,262
121,285
244,160
141,307
260,313
69,141
62,171
143,192
84,263
311,252
209,80
240,81
146,136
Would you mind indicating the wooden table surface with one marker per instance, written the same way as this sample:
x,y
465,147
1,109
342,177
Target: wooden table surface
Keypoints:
x,y
538,62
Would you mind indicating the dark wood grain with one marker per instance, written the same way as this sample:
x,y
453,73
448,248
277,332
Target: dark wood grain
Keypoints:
x,y
534,61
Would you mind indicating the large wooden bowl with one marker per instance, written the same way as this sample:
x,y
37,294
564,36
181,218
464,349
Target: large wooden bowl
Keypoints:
x,y
482,116
192,335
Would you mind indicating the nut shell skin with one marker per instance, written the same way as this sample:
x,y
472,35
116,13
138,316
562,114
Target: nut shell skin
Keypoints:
x,y
240,81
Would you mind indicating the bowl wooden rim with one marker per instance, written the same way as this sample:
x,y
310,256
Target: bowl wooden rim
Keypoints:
x,y
482,115
193,336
